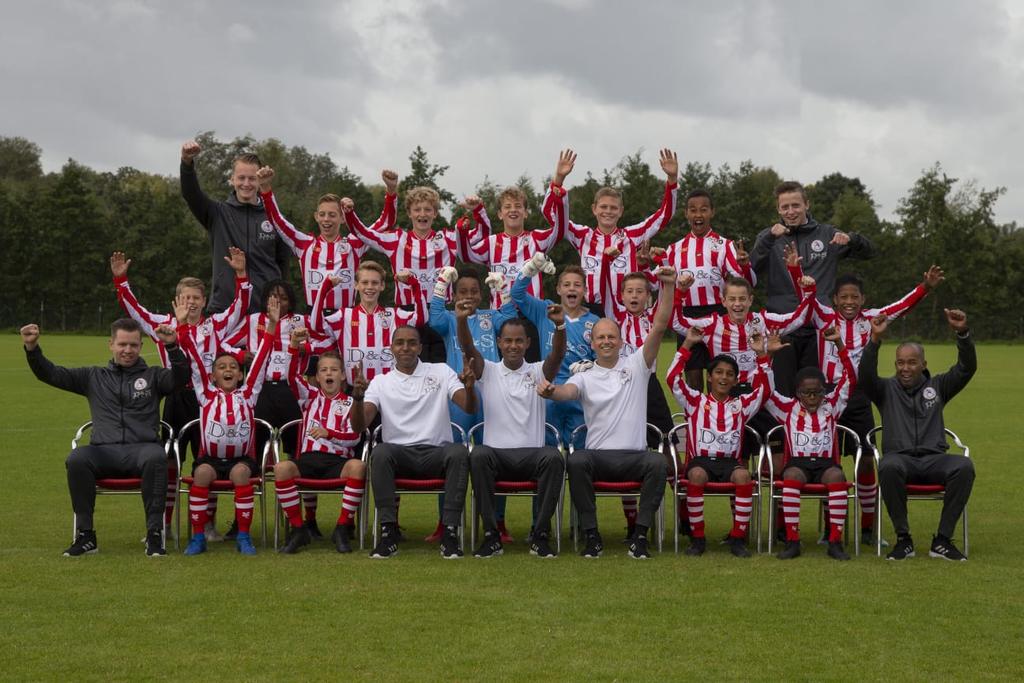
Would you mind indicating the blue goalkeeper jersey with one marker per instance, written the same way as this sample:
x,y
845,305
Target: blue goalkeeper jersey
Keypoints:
x,y
577,330
483,325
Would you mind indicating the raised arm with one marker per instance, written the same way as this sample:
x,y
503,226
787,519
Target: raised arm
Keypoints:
x,y
463,309
363,412
258,368
932,279
75,380
381,236
667,277
867,372
148,320
440,318
532,307
418,316
951,382
295,239
296,360
199,204
660,219
686,396
232,319
556,201
465,397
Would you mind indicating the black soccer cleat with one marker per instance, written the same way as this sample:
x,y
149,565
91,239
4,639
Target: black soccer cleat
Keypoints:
x,y
836,551
341,539
387,546
791,551
297,537
697,546
450,549
638,548
594,546
943,548
490,546
903,549
85,544
738,547
539,545
155,543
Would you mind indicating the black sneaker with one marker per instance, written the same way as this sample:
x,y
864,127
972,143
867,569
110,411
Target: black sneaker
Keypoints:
x,y
297,537
738,547
340,538
594,546
490,546
387,546
155,543
944,548
791,551
85,544
450,549
638,548
539,545
314,530
697,547
232,533
903,549
836,551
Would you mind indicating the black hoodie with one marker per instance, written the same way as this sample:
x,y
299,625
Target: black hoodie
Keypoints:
x,y
233,224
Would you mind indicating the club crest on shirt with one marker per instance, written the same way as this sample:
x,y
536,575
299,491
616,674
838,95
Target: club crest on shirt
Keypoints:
x,y
716,242
929,394
863,327
529,381
344,247
588,331
817,246
437,242
384,318
735,407
140,384
430,384
266,231
338,408
625,376
486,325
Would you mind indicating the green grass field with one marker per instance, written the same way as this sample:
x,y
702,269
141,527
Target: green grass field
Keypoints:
x,y
119,615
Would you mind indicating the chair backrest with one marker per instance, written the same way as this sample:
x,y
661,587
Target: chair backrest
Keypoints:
x,y
473,436
191,431
872,439
578,437
778,429
166,433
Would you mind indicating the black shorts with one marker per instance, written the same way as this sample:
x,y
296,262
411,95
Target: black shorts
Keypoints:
x,y
719,469
317,465
223,467
859,418
699,354
813,468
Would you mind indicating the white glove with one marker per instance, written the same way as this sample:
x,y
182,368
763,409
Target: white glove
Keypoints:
x,y
538,262
581,366
497,283
444,277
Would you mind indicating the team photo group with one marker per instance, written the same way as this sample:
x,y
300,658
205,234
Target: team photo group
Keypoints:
x,y
474,381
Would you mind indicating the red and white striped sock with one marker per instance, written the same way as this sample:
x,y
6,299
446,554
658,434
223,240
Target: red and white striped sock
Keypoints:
x,y
836,511
243,507
288,499
629,505
867,493
350,500
171,498
695,509
309,501
791,508
743,508
198,497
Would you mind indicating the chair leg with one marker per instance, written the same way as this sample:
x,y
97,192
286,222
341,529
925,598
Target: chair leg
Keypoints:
x,y
74,527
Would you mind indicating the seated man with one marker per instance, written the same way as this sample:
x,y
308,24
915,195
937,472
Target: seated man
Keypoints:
x,y
412,401
613,394
914,448
513,439
124,404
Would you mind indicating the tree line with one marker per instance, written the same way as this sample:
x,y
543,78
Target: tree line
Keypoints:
x,y
59,229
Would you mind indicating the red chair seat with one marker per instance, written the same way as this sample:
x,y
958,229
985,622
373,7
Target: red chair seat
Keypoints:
x,y
321,484
419,484
712,487
617,486
816,489
514,486
921,489
223,484
115,484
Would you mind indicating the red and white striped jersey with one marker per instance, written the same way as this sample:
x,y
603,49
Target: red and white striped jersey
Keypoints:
x,y
423,256
321,410
249,336
506,254
207,335
226,418
813,435
364,336
722,335
592,242
320,259
714,429
710,259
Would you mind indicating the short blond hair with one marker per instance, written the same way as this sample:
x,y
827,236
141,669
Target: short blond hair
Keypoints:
x,y
607,192
192,283
422,194
513,193
329,198
375,267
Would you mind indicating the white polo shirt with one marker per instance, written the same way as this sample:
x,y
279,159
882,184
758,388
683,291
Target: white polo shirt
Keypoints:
x,y
513,411
614,403
414,408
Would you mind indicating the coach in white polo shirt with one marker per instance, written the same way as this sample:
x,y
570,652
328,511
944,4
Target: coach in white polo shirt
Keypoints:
x,y
416,436
513,436
613,394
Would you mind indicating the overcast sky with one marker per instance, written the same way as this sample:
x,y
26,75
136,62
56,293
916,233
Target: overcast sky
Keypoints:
x,y
874,89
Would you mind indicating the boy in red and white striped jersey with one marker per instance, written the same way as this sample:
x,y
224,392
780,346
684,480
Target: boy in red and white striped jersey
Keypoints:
x,y
812,455
207,335
422,251
330,252
228,432
714,434
507,251
607,209
853,323
362,333
711,259
326,445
